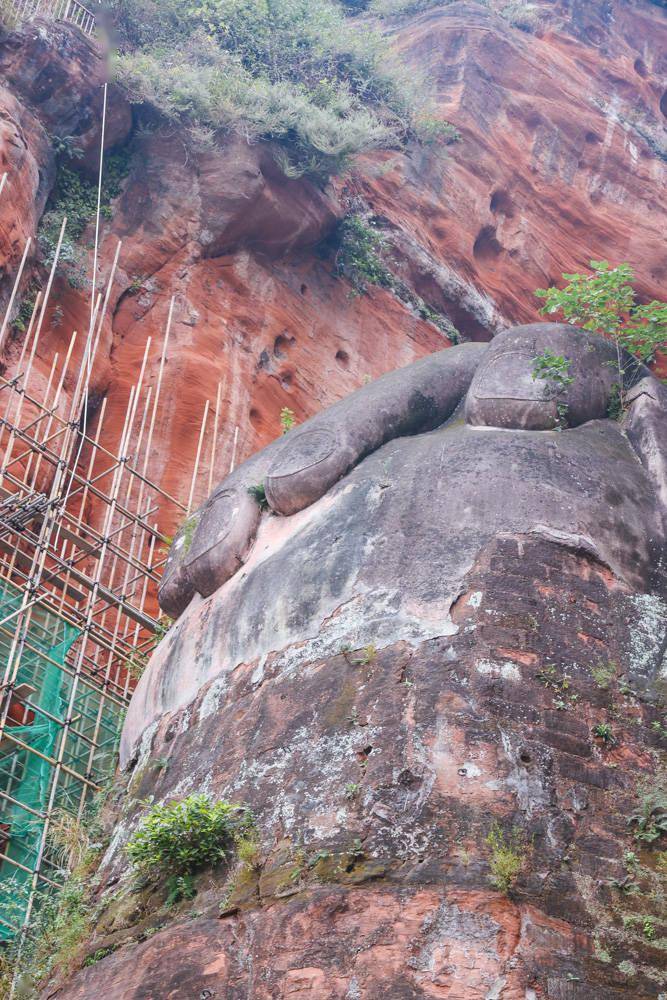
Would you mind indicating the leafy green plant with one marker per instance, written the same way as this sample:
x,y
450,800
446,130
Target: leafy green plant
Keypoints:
x,y
97,956
24,312
550,678
553,369
650,820
525,16
603,674
248,850
75,196
180,887
605,302
53,941
287,419
351,791
507,853
368,655
392,8
258,493
9,19
182,838
162,627
359,254
136,664
67,146
602,731
648,928
660,728
187,532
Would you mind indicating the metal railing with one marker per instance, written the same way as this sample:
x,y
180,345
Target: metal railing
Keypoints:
x,y
60,10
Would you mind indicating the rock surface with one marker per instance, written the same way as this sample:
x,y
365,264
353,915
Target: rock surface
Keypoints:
x,y
456,656
434,648
546,177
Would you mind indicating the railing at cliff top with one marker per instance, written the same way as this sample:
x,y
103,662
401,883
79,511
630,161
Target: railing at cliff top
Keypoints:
x,y
60,10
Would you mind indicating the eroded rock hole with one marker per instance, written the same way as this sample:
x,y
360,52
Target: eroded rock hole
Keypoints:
x,y
343,359
501,204
663,104
641,68
486,246
280,346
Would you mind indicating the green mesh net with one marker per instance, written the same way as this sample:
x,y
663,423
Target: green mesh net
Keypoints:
x,y
26,778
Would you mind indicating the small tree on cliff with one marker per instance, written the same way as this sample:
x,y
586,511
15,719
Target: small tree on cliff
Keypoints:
x,y
605,302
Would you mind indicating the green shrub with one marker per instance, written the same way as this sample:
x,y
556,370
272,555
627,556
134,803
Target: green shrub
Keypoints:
x,y
8,17
605,302
553,370
258,493
295,71
359,254
603,731
182,838
59,925
525,16
650,820
392,8
75,196
287,419
603,674
507,852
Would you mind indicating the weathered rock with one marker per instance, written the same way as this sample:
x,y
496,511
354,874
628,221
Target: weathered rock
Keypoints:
x,y
371,556
374,783
546,176
465,635
300,469
509,391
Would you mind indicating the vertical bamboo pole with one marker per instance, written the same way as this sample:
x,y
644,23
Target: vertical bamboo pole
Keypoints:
x,y
214,445
236,441
196,468
17,283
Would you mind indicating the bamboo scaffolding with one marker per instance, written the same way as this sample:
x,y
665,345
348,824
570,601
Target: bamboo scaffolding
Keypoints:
x,y
79,535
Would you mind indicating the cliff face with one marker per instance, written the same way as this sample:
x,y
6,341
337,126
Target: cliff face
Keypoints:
x,y
560,161
502,589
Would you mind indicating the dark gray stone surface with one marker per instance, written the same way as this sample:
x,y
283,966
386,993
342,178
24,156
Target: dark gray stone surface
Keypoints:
x,y
382,555
506,393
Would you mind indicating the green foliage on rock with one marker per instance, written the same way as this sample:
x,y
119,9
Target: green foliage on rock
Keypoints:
x,y
61,918
300,72
393,8
74,196
507,852
287,420
649,822
359,254
258,493
182,838
605,302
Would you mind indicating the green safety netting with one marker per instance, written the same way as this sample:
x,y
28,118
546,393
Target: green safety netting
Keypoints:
x,y
28,777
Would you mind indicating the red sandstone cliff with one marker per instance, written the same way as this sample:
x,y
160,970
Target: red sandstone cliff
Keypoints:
x,y
560,161
373,783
